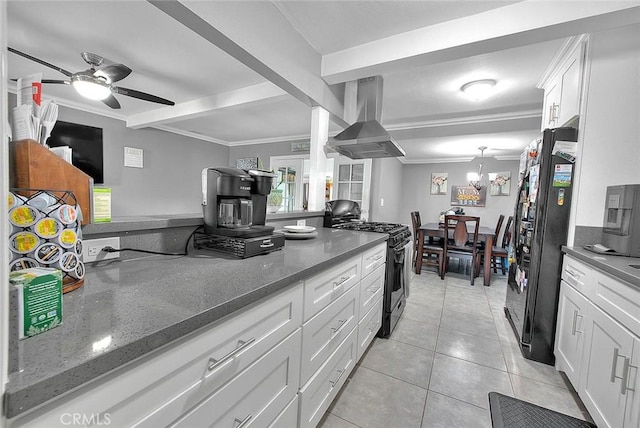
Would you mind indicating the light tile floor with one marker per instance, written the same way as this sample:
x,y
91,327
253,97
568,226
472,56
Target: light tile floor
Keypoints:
x,y
452,346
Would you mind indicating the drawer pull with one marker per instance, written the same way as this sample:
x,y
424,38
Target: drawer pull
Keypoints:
x,y
376,258
574,329
335,330
373,290
213,363
266,246
343,279
335,382
243,422
571,273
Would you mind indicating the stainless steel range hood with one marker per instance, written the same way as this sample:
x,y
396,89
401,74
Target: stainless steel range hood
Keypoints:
x,y
366,138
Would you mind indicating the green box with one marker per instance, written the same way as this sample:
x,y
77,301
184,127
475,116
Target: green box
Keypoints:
x,y
39,299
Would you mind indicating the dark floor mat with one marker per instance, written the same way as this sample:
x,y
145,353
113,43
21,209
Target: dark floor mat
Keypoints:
x,y
508,412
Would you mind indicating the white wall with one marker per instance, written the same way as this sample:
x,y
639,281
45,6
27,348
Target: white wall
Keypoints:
x,y
610,126
416,181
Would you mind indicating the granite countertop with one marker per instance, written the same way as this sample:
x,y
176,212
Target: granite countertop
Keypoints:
x,y
127,309
616,266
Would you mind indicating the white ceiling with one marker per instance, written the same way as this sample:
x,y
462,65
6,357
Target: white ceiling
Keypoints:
x,y
250,71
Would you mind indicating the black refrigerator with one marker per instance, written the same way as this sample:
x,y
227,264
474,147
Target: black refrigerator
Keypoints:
x,y
541,221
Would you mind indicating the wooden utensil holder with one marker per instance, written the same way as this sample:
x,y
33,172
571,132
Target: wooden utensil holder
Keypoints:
x,y
35,166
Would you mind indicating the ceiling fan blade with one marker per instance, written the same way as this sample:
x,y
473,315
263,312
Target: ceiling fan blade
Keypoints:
x,y
141,95
64,82
113,73
39,61
112,102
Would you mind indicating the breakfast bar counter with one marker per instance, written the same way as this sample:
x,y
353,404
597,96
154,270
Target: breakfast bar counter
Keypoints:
x,y
129,308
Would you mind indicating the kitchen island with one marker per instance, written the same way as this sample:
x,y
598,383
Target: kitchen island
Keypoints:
x,y
130,310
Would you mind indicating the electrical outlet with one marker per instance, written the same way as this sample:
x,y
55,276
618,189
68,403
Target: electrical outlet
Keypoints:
x,y
302,222
92,249
381,202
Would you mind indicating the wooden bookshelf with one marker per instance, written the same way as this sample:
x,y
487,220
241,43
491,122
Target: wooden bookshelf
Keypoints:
x,y
34,166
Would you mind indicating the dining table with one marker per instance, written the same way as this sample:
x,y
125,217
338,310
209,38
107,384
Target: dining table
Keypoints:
x,y
433,230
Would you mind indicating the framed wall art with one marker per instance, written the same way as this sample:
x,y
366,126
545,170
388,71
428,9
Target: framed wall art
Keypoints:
x,y
500,184
439,183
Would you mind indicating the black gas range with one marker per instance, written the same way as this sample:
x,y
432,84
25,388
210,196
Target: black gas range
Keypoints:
x,y
344,214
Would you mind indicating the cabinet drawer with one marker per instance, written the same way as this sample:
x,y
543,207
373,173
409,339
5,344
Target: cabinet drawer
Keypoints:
x,y
289,416
619,299
257,396
371,288
329,285
322,334
576,274
319,392
373,258
369,326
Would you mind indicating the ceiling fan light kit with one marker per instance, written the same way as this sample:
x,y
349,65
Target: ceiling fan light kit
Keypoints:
x,y
90,87
95,83
478,89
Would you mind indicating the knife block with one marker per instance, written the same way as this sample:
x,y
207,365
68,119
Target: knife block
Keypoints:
x,y
34,166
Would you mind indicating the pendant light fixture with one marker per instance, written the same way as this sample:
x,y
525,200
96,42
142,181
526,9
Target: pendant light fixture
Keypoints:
x,y
477,179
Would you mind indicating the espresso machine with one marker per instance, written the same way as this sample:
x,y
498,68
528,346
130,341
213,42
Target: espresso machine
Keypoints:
x,y
234,205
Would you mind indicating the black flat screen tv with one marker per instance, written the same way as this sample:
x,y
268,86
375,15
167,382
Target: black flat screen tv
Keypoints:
x,y
86,145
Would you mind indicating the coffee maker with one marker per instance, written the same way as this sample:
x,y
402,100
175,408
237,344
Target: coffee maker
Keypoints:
x,y
234,205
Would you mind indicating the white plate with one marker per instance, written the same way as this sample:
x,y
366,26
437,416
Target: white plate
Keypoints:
x,y
299,229
308,235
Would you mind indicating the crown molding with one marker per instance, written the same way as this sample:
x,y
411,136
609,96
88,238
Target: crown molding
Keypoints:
x,y
525,114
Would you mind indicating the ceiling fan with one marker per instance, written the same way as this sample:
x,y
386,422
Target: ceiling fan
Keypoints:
x,y
96,82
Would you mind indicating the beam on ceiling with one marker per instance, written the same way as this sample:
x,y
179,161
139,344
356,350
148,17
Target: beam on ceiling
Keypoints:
x,y
266,91
263,41
514,25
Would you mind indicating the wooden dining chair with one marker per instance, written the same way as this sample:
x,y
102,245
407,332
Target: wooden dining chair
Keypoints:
x,y
430,254
460,243
500,254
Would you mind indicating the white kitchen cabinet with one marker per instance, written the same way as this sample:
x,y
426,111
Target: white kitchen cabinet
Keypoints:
x,y
603,383
603,312
327,286
317,394
562,84
368,327
158,389
322,334
572,307
371,289
374,258
257,396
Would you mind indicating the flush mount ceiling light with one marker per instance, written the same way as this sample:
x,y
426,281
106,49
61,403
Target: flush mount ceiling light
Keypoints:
x,y
478,89
90,87
477,179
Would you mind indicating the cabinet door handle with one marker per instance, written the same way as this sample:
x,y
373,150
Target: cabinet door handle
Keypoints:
x,y
335,330
335,382
574,329
243,422
343,279
213,363
624,379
